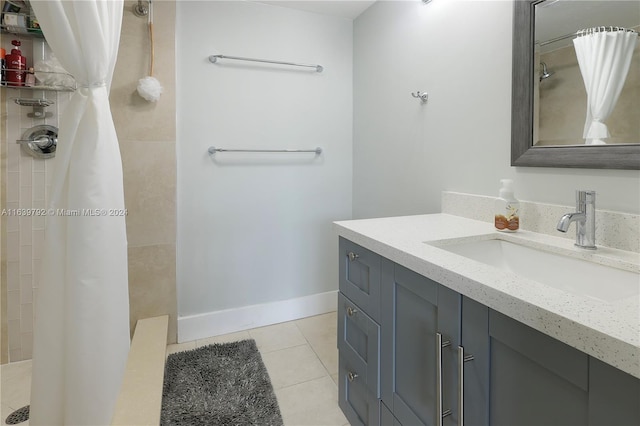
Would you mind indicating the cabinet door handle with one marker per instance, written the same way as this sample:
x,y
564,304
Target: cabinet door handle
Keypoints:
x,y
351,311
440,414
352,376
462,358
353,256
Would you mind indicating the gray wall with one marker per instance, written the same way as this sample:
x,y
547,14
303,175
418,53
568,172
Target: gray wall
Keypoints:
x,y
256,228
406,153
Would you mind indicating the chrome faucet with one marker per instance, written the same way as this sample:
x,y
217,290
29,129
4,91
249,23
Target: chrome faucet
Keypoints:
x,y
585,218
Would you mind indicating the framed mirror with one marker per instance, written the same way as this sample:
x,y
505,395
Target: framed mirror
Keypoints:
x,y
547,134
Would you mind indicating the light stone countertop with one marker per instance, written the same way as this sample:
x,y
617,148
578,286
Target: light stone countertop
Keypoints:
x,y
607,331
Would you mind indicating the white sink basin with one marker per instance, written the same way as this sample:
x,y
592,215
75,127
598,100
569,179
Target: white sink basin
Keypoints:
x,y
562,272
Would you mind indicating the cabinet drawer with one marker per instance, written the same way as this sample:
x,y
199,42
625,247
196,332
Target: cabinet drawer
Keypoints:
x,y
360,277
358,403
359,342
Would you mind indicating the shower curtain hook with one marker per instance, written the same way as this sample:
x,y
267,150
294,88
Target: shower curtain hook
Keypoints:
x,y
140,10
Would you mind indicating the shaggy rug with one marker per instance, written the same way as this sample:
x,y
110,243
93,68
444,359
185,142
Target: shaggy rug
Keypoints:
x,y
222,384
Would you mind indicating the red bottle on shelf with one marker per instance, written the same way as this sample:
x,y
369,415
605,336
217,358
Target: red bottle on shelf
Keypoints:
x,y
3,55
16,64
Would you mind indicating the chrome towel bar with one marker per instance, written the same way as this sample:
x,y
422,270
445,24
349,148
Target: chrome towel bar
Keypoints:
x,y
212,150
214,58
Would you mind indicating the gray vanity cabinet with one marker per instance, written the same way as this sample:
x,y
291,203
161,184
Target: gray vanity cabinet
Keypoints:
x,y
474,382
614,396
420,334
412,350
360,277
520,376
386,416
358,364
359,334
534,379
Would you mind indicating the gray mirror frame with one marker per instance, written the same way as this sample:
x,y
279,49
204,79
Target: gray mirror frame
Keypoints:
x,y
523,153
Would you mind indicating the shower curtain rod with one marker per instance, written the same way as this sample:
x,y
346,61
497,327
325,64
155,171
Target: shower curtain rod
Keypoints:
x,y
214,58
584,32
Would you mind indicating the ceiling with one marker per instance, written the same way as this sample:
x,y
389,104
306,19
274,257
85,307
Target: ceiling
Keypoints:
x,y
349,9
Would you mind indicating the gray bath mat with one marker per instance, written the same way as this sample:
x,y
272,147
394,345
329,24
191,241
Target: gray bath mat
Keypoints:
x,y
223,384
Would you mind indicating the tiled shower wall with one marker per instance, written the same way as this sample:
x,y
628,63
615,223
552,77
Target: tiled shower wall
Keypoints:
x,y
147,136
26,188
146,133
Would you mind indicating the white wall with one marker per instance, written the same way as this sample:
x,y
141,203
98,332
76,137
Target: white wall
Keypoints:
x,y
406,153
256,228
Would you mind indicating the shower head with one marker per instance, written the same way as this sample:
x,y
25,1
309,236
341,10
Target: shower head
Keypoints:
x,y
545,72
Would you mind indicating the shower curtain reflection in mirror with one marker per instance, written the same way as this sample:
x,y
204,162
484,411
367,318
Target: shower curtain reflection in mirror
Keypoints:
x,y
604,56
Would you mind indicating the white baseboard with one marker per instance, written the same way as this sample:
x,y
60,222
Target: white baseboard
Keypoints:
x,y
210,324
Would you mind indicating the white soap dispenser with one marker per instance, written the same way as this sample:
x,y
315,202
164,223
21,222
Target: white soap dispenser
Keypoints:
x,y
507,210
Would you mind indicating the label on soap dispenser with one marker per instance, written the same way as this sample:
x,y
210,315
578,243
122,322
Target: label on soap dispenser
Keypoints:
x,y
501,222
509,221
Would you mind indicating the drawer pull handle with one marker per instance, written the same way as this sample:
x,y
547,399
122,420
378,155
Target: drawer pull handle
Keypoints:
x,y
351,311
353,256
462,358
352,376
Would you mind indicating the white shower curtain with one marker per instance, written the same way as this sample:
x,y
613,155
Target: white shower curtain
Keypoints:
x,y
604,58
81,331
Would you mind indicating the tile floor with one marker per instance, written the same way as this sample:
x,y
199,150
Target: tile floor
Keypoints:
x,y
301,358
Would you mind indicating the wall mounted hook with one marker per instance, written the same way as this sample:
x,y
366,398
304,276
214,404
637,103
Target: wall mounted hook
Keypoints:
x,y
422,96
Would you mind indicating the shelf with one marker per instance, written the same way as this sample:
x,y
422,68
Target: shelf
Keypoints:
x,y
14,21
45,80
49,88
22,31
49,75
31,102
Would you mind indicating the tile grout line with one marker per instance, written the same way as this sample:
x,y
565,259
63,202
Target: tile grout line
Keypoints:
x,y
305,381
301,383
314,351
282,349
